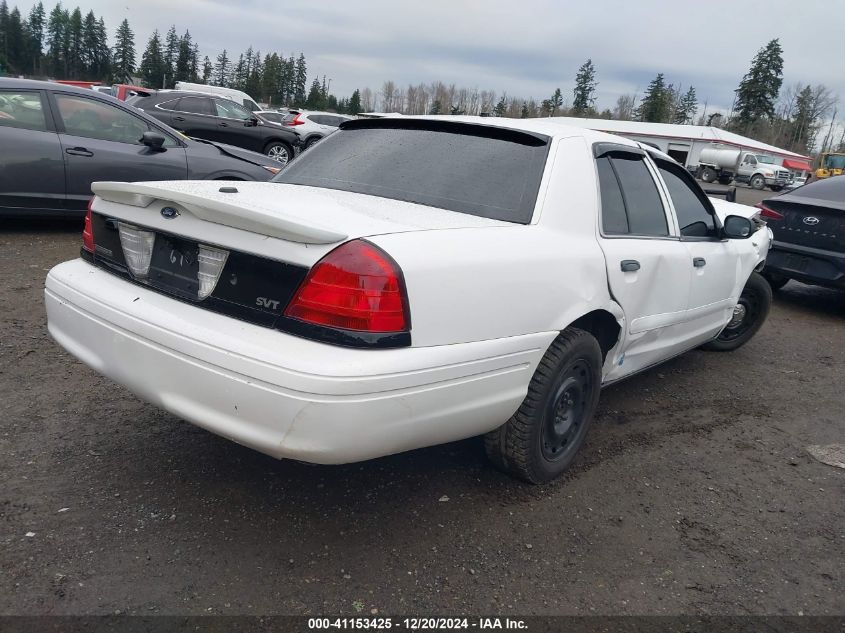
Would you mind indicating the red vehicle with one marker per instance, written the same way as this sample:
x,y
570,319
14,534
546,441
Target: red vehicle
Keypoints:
x,y
78,84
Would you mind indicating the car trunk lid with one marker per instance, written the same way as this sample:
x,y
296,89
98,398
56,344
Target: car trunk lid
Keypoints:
x,y
808,222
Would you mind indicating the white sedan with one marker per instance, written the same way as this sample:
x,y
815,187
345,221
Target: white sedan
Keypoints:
x,y
410,282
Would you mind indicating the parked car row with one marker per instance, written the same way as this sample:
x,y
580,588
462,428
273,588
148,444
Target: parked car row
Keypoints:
x,y
57,139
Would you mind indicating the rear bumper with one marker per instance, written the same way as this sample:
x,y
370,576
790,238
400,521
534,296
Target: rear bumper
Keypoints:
x,y
279,394
809,265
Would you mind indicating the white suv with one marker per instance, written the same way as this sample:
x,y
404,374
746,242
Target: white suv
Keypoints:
x,y
313,126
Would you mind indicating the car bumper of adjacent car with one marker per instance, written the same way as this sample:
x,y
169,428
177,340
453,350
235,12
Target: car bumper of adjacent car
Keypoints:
x,y
810,265
279,394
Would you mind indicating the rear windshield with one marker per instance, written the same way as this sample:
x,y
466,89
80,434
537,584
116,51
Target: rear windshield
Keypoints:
x,y
479,170
832,189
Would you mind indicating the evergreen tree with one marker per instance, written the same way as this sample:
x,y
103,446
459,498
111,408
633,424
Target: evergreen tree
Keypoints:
x,y
239,74
89,46
354,105
501,107
315,96
152,68
103,51
656,103
221,70
206,70
300,80
195,62
687,106
15,42
436,107
4,30
182,69
75,63
124,53
523,113
585,89
556,102
56,27
759,88
171,52
35,37
254,79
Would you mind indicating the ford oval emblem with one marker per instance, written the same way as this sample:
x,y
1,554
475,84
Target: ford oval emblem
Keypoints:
x,y
168,213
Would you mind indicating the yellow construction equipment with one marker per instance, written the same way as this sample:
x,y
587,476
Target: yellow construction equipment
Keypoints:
x,y
830,164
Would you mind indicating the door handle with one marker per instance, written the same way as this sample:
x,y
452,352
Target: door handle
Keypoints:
x,y
629,265
178,118
699,262
224,125
78,151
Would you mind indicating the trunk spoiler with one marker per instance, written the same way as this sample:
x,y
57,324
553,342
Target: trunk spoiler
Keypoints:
x,y
221,208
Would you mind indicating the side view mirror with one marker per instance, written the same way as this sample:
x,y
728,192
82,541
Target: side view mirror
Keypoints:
x,y
737,227
153,140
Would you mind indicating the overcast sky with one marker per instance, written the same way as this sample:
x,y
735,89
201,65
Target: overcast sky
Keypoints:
x,y
525,48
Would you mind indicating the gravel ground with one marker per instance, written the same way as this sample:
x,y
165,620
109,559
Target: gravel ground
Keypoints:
x,y
695,493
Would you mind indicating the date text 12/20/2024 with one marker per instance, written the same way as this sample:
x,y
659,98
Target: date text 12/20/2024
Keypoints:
x,y
416,624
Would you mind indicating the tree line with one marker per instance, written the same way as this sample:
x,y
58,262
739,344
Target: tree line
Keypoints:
x,y
67,45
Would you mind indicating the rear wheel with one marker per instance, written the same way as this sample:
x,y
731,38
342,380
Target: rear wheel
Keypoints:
x,y
758,182
749,314
708,175
542,438
279,152
311,142
725,180
776,187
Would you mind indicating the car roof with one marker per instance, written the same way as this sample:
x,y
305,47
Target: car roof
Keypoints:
x,y
33,84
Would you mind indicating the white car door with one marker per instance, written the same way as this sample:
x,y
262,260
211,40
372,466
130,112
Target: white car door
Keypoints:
x,y
713,259
648,267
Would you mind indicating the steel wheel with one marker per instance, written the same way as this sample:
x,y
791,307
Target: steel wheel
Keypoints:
x,y
749,315
564,419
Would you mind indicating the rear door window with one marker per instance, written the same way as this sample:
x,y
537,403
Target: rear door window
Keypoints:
x,y
486,171
231,110
196,105
22,109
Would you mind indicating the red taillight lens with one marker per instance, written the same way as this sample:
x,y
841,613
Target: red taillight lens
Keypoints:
x,y
87,231
355,287
766,212
295,121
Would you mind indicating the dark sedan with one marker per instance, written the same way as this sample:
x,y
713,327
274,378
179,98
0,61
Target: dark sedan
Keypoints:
x,y
216,118
809,228
55,140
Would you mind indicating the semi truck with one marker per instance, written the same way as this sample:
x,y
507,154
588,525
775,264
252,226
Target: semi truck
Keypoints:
x,y
727,164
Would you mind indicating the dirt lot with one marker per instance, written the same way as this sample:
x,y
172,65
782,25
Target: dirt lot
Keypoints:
x,y
695,492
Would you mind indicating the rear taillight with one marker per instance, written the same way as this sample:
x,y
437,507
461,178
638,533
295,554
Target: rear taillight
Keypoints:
x,y
87,231
355,287
295,121
766,212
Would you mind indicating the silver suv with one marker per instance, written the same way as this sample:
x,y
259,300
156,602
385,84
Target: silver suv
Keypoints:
x,y
313,126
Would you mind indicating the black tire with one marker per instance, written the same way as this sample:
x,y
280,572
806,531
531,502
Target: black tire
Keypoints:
x,y
708,174
755,301
757,182
311,142
775,281
776,187
725,180
279,152
542,438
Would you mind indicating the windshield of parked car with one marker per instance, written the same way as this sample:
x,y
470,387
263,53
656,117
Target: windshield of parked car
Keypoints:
x,y
486,171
